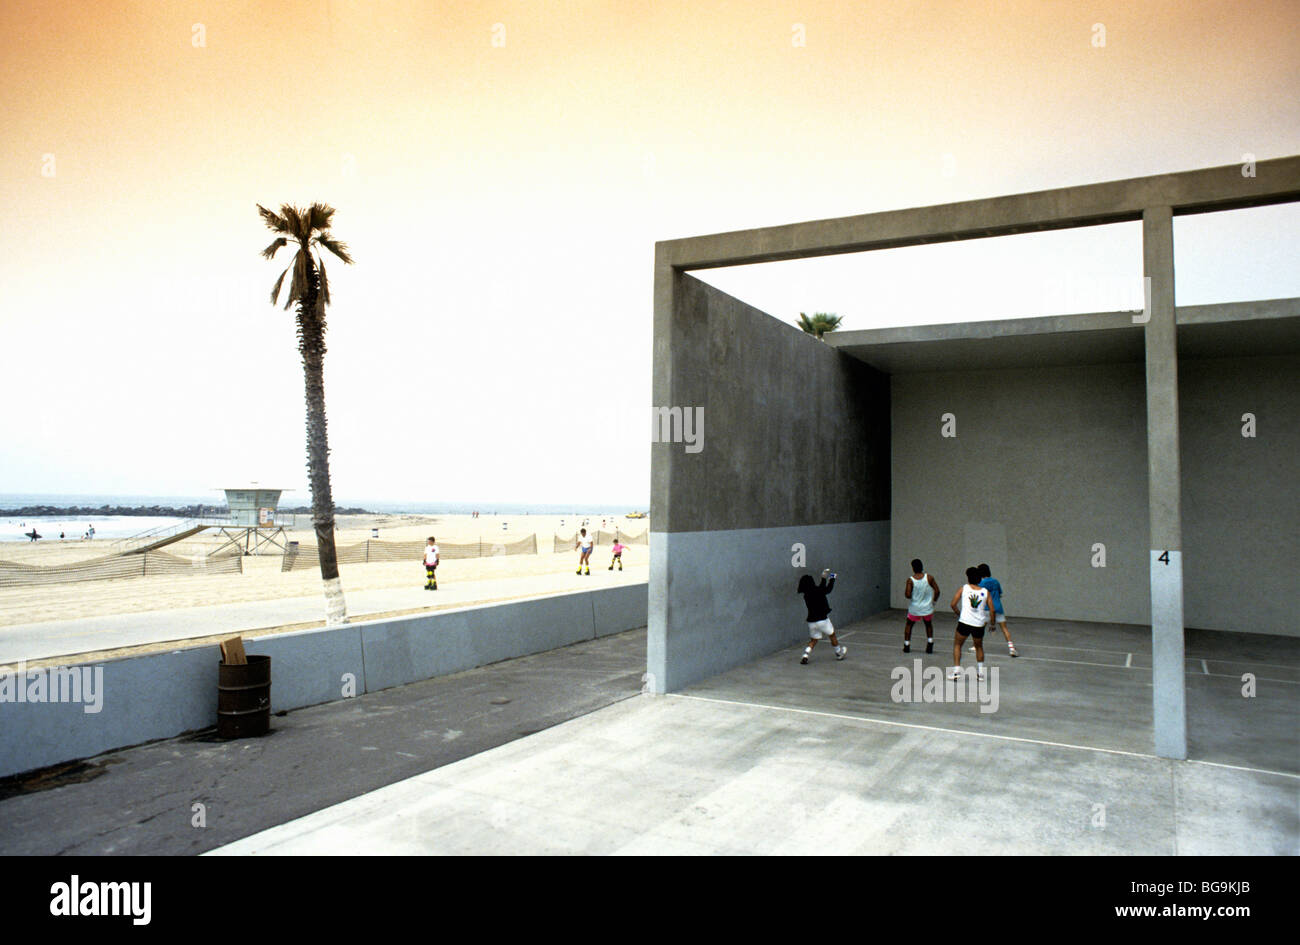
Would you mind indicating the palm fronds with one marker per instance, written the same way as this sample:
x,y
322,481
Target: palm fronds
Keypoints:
x,y
820,323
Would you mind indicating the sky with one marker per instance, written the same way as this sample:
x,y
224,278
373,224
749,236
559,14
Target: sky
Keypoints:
x,y
501,172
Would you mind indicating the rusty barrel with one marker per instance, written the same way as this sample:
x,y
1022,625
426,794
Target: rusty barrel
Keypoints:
x,y
244,698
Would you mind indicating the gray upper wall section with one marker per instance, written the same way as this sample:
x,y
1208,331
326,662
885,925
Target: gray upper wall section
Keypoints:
x,y
795,433
1211,189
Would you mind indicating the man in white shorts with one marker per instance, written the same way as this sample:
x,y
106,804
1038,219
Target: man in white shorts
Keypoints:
x,y
819,623
584,546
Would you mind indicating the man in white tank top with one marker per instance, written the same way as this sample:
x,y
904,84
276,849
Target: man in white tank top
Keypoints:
x,y
921,591
971,604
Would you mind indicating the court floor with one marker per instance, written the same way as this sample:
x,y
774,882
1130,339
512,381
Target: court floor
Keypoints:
x,y
835,758
1082,684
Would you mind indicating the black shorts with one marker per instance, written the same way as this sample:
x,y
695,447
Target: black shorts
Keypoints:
x,y
966,630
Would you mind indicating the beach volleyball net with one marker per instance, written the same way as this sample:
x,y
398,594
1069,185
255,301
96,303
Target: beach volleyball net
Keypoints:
x,y
602,538
300,557
147,564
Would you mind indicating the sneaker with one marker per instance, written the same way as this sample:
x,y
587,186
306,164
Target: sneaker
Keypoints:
x,y
839,654
907,648
579,571
929,647
955,674
611,567
1014,654
803,660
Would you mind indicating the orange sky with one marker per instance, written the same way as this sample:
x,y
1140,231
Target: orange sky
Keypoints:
x,y
502,201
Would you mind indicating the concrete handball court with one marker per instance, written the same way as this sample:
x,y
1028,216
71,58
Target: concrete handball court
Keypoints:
x,y
1152,711
1124,432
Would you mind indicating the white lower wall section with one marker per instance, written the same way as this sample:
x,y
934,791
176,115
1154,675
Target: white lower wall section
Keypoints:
x,y
722,598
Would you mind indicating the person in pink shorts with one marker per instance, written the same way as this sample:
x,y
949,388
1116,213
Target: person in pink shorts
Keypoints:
x,y
920,590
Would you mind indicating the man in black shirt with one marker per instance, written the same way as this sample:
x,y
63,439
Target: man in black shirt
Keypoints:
x,y
819,623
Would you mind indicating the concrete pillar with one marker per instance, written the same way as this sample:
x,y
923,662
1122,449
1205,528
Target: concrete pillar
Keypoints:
x,y
1164,492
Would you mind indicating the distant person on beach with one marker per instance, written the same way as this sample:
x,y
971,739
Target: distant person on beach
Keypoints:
x,y
585,545
90,532
920,590
32,535
994,587
431,564
618,555
819,611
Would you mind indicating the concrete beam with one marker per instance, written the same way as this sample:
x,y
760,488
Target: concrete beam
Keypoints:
x,y
1201,191
1231,329
1164,487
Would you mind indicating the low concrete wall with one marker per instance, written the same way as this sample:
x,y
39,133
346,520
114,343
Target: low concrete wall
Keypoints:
x,y
159,695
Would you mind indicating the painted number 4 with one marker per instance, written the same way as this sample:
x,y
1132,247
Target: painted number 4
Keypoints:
x,y
1164,558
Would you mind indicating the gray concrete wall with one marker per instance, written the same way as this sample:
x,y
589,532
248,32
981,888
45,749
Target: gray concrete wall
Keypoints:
x,y
1241,496
795,450
795,433
731,598
160,695
1045,464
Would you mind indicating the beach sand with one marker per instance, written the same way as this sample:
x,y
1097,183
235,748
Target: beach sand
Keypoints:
x,y
496,577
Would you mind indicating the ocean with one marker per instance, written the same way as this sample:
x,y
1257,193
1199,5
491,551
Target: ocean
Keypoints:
x,y
14,528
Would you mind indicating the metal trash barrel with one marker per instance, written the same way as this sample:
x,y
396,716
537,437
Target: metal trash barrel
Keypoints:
x,y
244,698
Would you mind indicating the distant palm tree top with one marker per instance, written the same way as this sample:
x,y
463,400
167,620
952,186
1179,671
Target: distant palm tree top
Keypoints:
x,y
309,228
820,323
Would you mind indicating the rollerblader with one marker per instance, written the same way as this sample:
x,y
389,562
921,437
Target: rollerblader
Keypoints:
x,y
431,565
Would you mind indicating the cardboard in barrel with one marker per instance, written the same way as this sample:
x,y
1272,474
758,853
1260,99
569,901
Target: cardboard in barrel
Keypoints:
x,y
243,693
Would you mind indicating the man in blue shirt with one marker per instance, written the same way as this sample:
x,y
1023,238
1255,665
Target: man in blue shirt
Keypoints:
x,y
990,583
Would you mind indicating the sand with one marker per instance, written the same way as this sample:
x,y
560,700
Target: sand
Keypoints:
x,y
263,580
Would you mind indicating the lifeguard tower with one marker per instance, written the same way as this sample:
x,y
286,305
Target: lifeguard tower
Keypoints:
x,y
254,524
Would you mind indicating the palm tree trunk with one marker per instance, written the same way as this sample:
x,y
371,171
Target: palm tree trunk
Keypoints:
x,y
311,345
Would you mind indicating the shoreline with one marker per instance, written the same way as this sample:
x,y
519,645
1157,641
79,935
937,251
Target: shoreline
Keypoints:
x,y
153,511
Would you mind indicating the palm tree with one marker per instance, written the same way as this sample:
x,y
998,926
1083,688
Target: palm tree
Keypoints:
x,y
820,323
310,289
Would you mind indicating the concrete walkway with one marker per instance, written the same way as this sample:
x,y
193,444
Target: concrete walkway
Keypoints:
x,y
778,758
141,801
680,775
33,641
